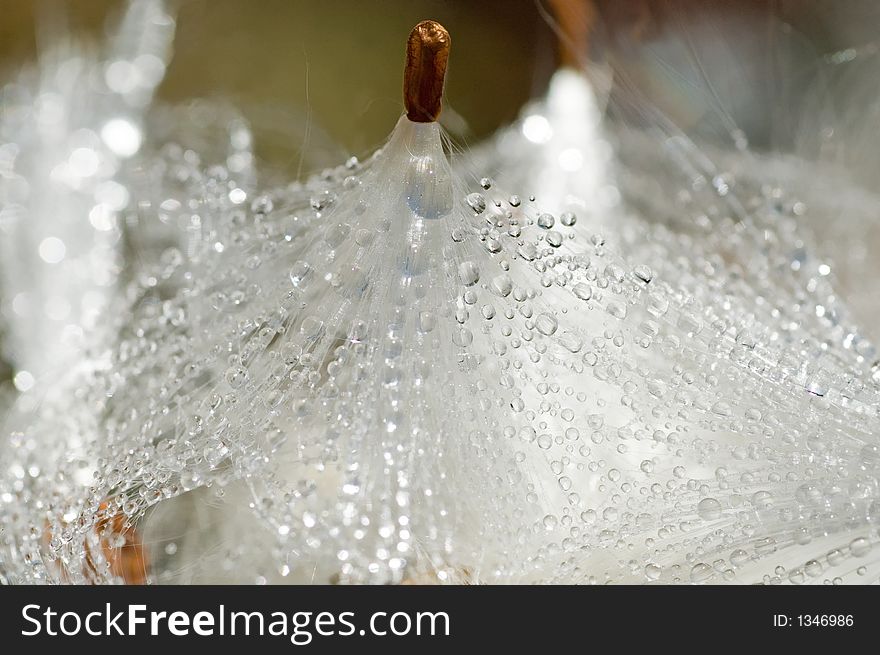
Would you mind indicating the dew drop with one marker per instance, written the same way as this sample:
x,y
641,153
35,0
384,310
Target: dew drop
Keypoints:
x,y
583,290
860,547
299,273
502,285
236,377
468,273
477,202
701,572
546,221
546,324
709,509
643,273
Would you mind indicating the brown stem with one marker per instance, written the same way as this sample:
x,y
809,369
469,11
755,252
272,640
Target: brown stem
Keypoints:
x,y
575,19
427,53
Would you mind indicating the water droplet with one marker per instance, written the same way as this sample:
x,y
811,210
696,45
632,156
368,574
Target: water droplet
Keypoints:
x,y
427,321
813,568
738,557
546,221
236,377
462,337
546,324
477,202
583,290
643,273
299,273
502,285
554,238
194,425
860,547
762,500
336,235
468,273
311,327
709,509
701,572
616,309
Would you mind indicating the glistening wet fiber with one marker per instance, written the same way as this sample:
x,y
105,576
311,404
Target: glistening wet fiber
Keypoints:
x,y
583,354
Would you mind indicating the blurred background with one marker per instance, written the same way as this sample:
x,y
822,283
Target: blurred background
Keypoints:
x,y
337,64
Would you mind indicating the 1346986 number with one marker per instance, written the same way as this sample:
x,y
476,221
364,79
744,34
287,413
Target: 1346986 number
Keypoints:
x,y
825,620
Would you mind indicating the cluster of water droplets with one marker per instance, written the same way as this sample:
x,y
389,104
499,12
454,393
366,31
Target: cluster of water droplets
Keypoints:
x,y
403,370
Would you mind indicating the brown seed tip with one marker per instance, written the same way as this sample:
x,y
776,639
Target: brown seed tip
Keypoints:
x,y
427,52
575,19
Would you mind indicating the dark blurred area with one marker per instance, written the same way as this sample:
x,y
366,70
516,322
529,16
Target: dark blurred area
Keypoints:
x,y
336,65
